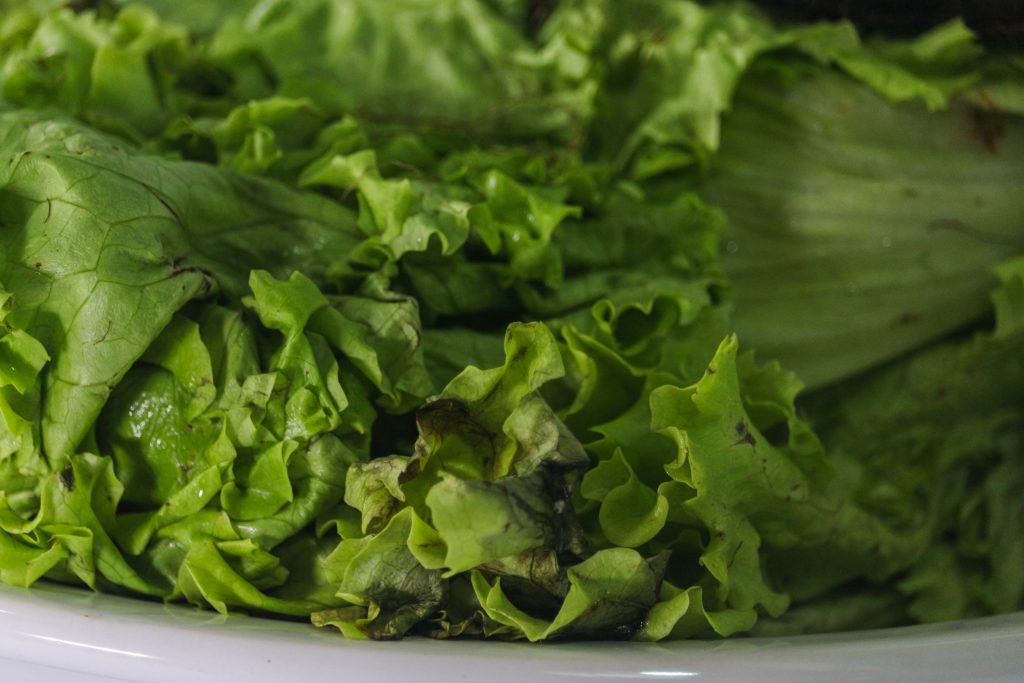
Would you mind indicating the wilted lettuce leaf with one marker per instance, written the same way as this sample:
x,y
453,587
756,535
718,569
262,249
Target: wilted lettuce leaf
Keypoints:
x,y
486,488
389,589
609,594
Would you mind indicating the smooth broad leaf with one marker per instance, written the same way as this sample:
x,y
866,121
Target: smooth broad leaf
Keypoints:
x,y
857,250
154,445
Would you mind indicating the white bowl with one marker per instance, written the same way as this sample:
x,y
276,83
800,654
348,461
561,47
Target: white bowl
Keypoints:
x,y
58,634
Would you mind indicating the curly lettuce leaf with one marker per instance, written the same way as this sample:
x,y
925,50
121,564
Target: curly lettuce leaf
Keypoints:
x,y
610,593
486,490
751,493
669,71
148,236
223,455
389,589
469,379
392,62
118,74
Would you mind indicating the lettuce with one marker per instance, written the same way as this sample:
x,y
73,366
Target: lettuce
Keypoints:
x,y
526,321
930,251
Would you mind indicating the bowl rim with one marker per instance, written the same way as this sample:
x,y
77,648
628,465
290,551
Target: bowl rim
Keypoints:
x,y
88,634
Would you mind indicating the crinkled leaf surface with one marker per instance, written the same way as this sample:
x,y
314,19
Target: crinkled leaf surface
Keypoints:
x,y
408,317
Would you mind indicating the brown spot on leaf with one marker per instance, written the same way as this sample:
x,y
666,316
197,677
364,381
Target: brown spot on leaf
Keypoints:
x,y
988,122
743,435
66,477
906,319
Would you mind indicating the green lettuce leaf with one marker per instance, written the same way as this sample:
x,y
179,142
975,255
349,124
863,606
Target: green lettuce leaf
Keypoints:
x,y
424,317
392,63
149,236
486,489
971,387
390,591
854,237
609,594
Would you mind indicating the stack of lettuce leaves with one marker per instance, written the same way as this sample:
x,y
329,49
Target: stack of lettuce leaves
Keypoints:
x,y
507,319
